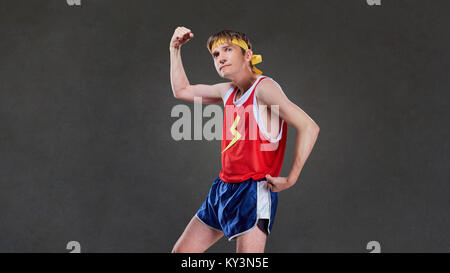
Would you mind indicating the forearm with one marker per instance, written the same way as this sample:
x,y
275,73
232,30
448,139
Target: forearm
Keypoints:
x,y
178,78
304,144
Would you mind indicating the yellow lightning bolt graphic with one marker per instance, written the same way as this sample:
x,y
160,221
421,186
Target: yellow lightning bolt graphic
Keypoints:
x,y
235,133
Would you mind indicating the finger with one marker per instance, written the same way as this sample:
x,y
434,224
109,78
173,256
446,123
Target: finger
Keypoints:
x,y
180,32
183,30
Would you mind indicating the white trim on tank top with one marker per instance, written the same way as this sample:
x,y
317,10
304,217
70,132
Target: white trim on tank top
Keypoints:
x,y
259,122
227,95
247,93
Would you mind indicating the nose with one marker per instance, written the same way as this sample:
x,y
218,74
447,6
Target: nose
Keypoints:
x,y
222,58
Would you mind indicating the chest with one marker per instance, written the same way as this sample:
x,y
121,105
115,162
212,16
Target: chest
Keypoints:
x,y
266,116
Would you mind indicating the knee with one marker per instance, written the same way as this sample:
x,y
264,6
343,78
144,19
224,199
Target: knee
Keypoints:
x,y
175,249
183,248
178,248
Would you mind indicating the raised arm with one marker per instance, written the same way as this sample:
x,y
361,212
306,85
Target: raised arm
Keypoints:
x,y
181,87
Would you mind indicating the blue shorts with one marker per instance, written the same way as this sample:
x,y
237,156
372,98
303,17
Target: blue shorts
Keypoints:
x,y
235,208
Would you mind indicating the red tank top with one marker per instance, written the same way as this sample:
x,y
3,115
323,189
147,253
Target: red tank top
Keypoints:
x,y
247,149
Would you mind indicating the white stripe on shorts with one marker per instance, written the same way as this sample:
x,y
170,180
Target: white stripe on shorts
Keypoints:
x,y
263,204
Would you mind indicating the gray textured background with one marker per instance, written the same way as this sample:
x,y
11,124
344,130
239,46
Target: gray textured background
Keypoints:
x,y
86,152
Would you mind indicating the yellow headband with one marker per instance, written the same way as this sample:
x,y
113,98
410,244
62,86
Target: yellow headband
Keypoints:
x,y
256,59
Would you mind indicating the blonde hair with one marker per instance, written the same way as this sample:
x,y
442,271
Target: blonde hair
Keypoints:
x,y
229,35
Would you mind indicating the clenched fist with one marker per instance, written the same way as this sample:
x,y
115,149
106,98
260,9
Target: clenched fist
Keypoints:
x,y
180,36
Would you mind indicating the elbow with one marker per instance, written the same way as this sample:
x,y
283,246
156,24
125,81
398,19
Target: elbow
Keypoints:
x,y
176,93
313,128
316,129
313,131
310,127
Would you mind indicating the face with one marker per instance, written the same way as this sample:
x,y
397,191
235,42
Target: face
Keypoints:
x,y
229,60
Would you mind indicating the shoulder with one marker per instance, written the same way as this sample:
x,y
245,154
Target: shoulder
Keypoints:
x,y
224,87
269,83
268,90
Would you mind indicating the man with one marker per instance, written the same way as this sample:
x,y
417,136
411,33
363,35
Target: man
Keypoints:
x,y
242,201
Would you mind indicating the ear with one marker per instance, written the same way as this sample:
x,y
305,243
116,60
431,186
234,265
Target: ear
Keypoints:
x,y
248,55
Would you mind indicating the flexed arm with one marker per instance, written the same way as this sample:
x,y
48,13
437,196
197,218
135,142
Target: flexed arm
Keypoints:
x,y
181,87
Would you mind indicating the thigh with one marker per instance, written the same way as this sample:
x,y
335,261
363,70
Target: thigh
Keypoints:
x,y
253,241
197,237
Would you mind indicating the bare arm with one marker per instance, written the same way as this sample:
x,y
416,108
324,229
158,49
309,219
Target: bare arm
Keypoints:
x,y
270,93
181,87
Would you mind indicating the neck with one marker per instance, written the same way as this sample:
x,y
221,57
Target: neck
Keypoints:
x,y
245,81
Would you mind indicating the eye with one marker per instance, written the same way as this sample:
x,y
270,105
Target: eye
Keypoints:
x,y
228,48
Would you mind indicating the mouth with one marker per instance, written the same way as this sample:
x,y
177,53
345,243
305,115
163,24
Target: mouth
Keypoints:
x,y
223,66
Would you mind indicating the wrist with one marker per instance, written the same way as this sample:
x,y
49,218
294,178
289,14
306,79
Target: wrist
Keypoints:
x,y
174,49
291,181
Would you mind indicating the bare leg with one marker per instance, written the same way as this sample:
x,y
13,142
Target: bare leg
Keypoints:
x,y
196,238
253,241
